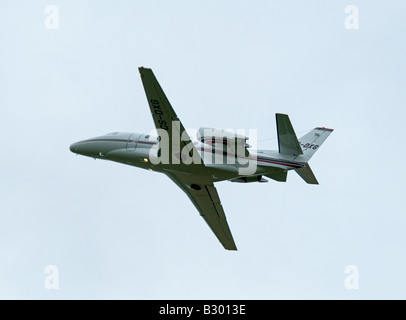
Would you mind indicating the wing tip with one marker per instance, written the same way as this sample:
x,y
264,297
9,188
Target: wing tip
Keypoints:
x,y
141,69
231,249
230,246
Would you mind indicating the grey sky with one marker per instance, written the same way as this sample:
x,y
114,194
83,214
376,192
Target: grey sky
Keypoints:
x,y
119,232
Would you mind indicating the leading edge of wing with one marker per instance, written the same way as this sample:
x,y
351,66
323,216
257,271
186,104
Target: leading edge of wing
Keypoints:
x,y
204,196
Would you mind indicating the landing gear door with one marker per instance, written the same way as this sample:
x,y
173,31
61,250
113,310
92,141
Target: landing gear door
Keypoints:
x,y
132,142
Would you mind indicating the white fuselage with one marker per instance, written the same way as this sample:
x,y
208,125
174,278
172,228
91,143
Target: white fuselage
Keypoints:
x,y
140,150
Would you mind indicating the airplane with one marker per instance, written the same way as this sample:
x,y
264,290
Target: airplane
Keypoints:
x,y
194,166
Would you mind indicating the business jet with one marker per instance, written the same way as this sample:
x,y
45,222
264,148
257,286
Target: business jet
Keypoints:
x,y
215,155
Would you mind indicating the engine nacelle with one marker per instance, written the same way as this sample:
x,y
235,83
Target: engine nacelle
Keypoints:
x,y
247,179
224,140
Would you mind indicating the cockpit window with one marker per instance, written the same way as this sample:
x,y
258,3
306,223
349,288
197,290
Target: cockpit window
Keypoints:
x,y
147,136
112,134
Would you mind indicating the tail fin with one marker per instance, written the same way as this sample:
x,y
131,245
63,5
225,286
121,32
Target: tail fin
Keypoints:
x,y
311,141
304,148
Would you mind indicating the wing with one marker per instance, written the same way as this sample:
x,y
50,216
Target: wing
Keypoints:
x,y
180,148
199,189
204,196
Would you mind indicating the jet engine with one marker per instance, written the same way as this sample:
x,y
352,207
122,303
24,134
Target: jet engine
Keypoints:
x,y
246,179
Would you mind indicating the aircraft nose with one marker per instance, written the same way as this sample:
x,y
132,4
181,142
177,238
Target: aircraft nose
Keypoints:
x,y
74,147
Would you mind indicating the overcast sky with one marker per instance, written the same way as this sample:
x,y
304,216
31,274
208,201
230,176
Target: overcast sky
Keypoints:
x,y
114,231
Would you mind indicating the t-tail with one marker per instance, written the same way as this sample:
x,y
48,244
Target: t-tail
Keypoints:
x,y
304,148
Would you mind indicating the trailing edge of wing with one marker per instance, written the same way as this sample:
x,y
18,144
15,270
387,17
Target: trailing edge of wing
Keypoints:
x,y
287,140
204,196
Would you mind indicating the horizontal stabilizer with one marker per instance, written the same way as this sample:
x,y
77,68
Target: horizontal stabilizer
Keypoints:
x,y
287,140
307,174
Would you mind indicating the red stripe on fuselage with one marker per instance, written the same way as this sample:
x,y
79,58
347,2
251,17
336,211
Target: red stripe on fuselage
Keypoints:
x,y
282,163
